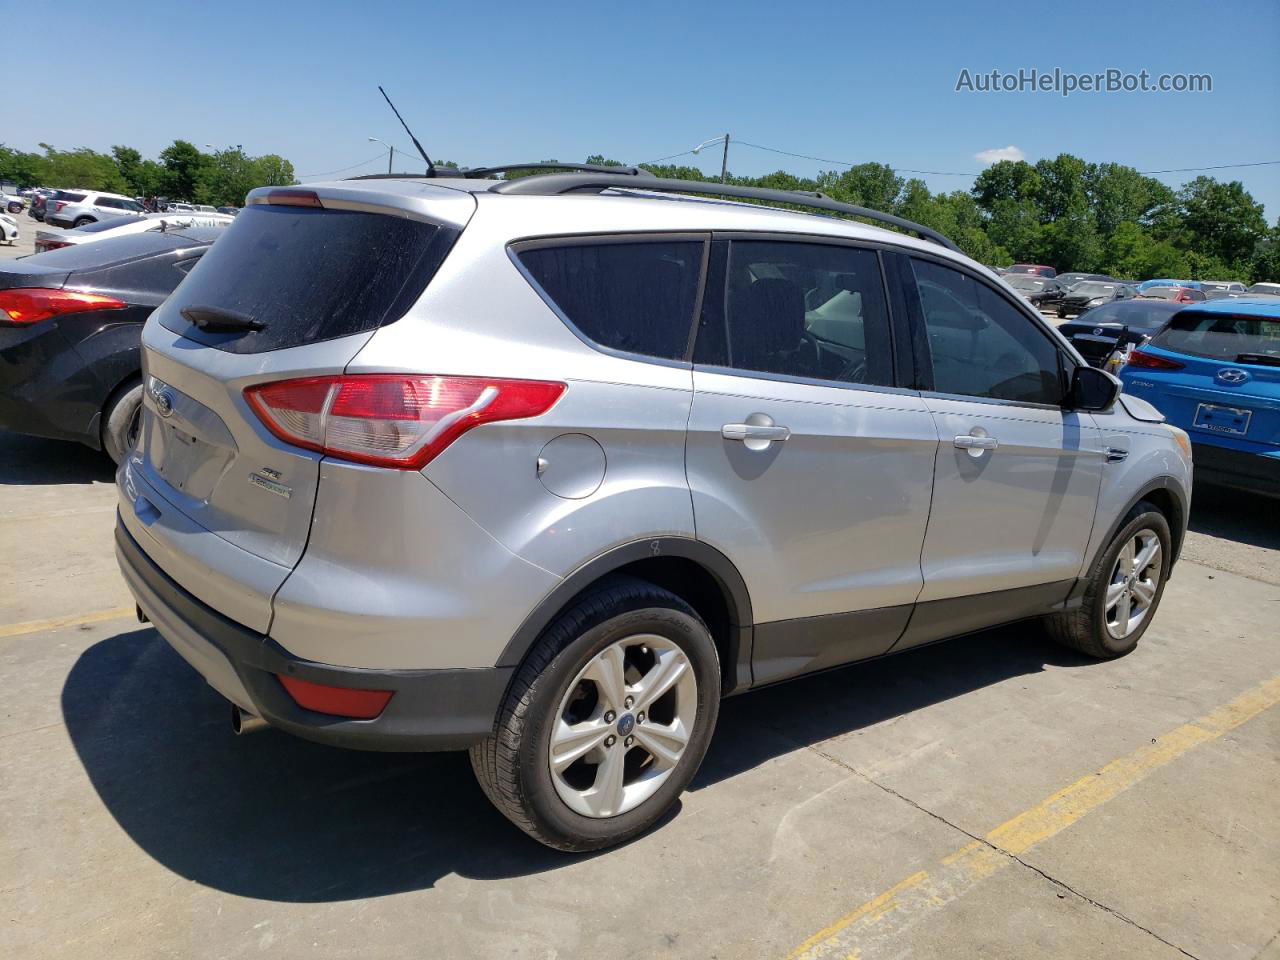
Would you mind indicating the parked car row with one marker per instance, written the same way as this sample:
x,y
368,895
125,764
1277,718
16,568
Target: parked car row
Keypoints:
x,y
124,226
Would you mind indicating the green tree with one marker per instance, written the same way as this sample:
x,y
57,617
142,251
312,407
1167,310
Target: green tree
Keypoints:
x,y
1062,187
1008,180
873,185
1221,220
26,169
183,165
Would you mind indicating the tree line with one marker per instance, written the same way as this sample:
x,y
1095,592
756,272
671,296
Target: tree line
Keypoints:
x,y
182,172
1065,212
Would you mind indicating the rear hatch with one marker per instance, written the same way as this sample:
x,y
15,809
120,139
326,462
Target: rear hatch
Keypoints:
x,y
1228,385
220,503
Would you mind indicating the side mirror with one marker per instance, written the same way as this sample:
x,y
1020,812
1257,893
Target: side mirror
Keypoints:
x,y
1092,389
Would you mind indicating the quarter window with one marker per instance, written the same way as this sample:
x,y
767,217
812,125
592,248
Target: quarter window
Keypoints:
x,y
980,344
807,310
637,297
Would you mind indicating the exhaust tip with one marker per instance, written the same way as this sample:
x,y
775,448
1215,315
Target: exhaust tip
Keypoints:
x,y
242,722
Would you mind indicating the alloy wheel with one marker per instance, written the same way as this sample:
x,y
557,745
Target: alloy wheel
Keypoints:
x,y
623,725
1131,590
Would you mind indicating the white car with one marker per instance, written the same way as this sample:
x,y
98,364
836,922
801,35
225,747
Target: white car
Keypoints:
x,y
77,208
11,203
8,229
124,226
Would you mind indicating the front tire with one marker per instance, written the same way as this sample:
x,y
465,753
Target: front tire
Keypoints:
x,y
607,720
1125,587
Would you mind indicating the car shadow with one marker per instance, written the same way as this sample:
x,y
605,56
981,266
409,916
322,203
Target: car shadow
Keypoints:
x,y
34,460
1236,515
273,817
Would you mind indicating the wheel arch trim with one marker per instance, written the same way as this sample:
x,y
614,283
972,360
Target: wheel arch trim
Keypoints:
x,y
732,586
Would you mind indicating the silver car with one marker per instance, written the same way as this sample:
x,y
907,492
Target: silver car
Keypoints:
x,y
545,468
80,208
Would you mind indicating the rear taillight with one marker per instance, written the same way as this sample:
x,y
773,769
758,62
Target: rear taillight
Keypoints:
x,y
21,307
58,205
392,420
1149,361
44,246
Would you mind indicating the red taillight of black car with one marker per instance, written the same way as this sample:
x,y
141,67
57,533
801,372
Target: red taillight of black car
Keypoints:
x,y
24,306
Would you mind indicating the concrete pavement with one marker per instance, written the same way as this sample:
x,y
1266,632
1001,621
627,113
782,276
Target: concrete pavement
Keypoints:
x,y
992,796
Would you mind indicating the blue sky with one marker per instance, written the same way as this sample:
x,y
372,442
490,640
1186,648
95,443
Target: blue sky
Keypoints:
x,y
487,83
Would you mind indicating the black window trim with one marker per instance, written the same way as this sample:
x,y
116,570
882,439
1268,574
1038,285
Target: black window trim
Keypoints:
x,y
517,247
897,325
1068,359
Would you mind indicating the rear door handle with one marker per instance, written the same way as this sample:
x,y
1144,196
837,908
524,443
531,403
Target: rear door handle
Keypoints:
x,y
753,431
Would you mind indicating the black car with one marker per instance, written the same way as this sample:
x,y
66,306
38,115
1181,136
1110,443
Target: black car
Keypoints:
x,y
1117,326
70,331
1042,292
1090,294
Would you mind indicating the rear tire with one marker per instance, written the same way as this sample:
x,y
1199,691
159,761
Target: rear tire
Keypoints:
x,y
1119,604
556,709
120,421
83,221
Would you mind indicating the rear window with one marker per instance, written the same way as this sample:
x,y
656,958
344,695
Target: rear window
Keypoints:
x,y
309,275
1234,338
109,250
637,297
68,197
1135,313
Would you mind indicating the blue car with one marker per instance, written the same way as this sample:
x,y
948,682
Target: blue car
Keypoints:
x,y
1214,371
1148,284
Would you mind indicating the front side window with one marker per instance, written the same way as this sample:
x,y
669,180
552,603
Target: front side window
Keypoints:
x,y
807,310
636,297
980,344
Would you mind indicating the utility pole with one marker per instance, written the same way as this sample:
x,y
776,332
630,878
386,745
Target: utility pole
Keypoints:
x,y
391,152
724,163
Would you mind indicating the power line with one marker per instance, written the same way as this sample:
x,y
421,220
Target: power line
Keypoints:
x,y
1221,166
363,163
849,163
955,173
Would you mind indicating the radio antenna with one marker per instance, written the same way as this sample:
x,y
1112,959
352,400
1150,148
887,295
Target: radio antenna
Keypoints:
x,y
431,167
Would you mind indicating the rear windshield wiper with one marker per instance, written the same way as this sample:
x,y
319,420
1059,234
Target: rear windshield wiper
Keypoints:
x,y
1261,359
221,320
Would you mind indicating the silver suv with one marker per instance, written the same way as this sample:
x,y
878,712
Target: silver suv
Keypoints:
x,y
544,468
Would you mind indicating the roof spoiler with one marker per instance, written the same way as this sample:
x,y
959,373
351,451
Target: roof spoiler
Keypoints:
x,y
553,184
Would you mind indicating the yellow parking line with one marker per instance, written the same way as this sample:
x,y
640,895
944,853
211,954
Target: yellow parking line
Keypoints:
x,y
73,620
885,917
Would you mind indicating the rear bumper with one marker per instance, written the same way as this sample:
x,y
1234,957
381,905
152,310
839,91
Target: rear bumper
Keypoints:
x,y
1238,469
431,709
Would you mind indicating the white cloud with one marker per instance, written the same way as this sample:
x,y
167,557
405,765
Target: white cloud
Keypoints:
x,y
996,154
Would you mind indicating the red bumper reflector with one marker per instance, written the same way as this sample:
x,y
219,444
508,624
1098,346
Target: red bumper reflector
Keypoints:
x,y
336,701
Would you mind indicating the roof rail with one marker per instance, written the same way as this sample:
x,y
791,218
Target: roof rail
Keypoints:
x,y
481,173
552,184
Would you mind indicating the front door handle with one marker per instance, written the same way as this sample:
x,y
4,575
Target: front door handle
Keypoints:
x,y
976,443
752,431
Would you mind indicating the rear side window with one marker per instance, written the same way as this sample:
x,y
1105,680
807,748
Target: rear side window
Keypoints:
x,y
807,310
636,297
309,275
